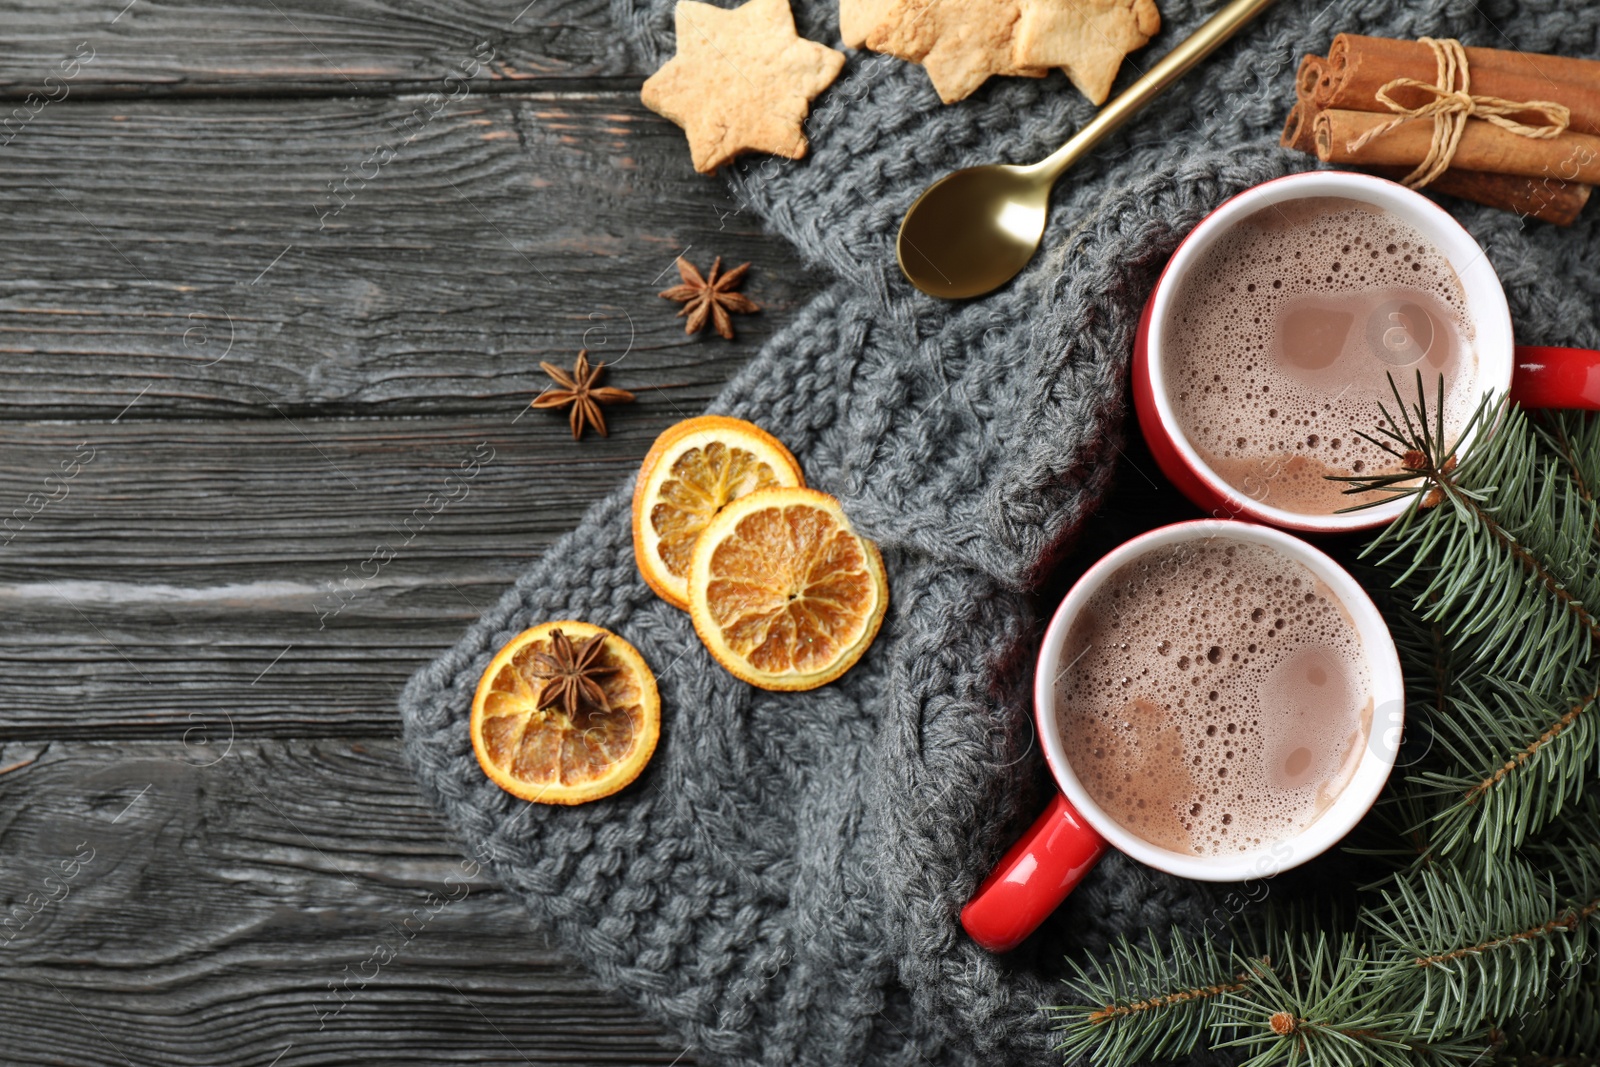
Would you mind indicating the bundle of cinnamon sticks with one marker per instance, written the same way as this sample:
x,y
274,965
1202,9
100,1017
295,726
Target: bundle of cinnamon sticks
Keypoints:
x,y
1545,176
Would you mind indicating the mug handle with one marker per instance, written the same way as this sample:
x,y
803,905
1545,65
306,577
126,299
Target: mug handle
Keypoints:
x,y
1033,877
1557,378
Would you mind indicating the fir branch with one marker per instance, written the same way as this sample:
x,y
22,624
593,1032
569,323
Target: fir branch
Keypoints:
x,y
1532,749
1326,1011
1477,958
1168,1000
1505,574
1526,600
1568,921
1516,760
1141,1003
1511,560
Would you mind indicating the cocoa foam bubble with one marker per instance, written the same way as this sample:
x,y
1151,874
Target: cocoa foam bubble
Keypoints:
x,y
1281,341
1215,697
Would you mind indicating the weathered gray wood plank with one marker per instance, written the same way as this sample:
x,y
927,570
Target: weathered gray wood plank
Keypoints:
x,y
167,264
159,568
212,269
184,558
154,47
172,904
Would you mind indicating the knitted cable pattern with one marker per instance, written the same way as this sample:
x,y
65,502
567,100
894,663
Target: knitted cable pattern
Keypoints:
x,y
781,885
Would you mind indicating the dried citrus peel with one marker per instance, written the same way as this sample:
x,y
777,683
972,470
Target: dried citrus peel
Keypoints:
x,y
553,755
692,471
783,592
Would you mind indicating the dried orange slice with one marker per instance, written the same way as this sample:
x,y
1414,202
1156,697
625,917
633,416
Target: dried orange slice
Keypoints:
x,y
692,471
783,592
565,713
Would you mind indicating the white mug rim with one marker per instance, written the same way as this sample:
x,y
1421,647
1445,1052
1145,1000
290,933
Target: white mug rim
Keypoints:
x,y
1486,302
1353,802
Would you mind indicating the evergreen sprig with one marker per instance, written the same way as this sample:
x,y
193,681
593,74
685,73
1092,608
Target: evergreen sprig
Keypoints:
x,y
1323,1008
1511,562
1516,758
1171,1015
1483,943
1464,958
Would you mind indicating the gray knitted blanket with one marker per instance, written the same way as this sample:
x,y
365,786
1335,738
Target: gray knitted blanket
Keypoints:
x,y
781,885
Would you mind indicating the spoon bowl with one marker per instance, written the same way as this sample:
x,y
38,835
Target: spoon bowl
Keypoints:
x,y
973,230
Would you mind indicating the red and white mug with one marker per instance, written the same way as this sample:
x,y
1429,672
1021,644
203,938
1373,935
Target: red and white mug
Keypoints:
x,y
1042,868
1535,377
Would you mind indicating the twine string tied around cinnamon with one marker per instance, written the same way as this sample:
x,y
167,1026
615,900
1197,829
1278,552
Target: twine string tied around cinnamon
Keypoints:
x,y
1451,105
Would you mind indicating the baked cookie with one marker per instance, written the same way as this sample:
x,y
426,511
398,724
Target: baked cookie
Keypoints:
x,y
858,18
742,81
1085,38
960,43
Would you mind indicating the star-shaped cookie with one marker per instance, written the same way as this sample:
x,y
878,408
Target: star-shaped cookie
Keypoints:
x,y
1085,38
959,42
742,81
858,18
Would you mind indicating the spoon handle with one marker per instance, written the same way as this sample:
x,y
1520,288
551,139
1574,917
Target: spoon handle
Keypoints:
x,y
1174,65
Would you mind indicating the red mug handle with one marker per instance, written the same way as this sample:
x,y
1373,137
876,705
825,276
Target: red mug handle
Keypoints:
x,y
1033,877
1557,378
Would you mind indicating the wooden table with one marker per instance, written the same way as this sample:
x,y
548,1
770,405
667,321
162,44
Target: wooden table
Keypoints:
x,y
253,312
271,271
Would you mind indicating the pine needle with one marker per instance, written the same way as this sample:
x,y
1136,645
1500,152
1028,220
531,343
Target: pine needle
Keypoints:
x,y
1477,958
1140,1003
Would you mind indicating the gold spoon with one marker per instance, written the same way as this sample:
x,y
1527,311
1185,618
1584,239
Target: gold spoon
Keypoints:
x,y
971,231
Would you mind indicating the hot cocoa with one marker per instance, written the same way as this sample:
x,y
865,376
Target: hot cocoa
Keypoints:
x,y
1214,697
1280,345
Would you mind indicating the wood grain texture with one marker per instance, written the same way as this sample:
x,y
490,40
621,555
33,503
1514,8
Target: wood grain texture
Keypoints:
x,y
235,263
182,560
230,902
172,47
261,296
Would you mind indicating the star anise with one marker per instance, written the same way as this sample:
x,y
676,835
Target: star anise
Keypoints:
x,y
710,298
578,389
570,674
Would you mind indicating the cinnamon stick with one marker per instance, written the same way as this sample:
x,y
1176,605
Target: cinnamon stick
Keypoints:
x,y
1556,202
1309,78
1359,66
1484,147
1300,129
1546,199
